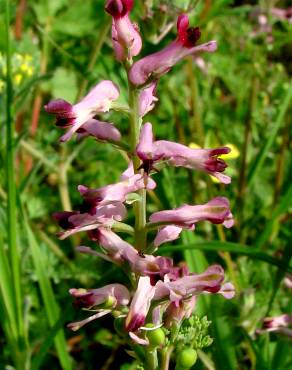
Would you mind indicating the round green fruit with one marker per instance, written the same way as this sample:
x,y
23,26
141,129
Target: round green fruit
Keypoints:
x,y
156,337
187,358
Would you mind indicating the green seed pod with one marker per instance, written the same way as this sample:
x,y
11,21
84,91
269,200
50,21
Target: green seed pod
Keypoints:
x,y
187,358
156,337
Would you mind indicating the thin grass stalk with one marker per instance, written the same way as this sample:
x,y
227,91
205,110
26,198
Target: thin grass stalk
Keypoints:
x,y
259,160
281,164
244,153
12,226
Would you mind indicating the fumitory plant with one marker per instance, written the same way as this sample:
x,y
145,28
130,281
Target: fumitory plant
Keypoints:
x,y
156,310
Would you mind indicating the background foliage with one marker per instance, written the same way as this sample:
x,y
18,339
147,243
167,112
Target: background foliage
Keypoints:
x,y
60,48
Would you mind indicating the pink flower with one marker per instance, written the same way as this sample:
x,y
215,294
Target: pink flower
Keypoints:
x,y
126,39
140,304
192,284
77,221
178,155
167,234
112,295
111,193
100,130
147,99
155,65
278,324
180,292
120,252
70,116
216,211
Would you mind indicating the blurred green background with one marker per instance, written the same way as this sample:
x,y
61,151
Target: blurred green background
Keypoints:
x,y
239,96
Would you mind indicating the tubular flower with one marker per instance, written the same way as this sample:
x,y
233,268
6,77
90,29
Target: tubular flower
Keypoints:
x,y
76,221
140,304
119,251
147,99
126,39
216,211
111,193
100,130
155,65
112,295
278,324
178,155
70,116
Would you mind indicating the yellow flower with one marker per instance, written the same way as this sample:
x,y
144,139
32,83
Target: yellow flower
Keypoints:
x,y
26,69
194,146
17,78
232,155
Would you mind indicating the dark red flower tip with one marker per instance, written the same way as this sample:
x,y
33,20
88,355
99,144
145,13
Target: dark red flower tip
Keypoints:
x,y
188,36
63,219
215,165
219,151
84,301
214,289
58,106
119,8
136,322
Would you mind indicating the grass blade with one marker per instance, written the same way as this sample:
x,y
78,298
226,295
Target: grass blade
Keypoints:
x,y
281,208
50,303
48,341
12,227
259,159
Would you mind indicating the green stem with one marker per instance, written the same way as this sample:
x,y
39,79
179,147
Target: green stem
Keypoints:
x,y
151,358
140,206
165,359
12,226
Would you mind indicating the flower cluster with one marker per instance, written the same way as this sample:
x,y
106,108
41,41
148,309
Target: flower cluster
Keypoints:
x,y
162,294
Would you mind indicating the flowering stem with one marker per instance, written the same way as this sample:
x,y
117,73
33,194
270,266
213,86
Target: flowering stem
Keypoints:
x,y
140,206
166,353
151,357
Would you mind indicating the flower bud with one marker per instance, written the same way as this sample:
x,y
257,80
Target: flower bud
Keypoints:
x,y
187,358
156,337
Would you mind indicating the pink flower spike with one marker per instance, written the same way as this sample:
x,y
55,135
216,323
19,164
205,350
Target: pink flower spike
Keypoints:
x,y
216,211
140,304
155,65
100,130
147,99
126,39
98,100
167,234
